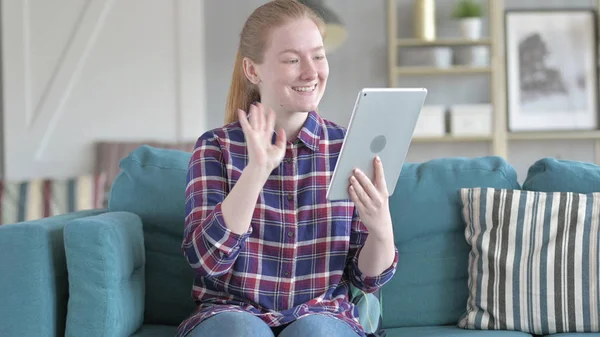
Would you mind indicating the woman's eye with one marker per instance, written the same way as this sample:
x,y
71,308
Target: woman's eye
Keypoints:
x,y
320,57
292,61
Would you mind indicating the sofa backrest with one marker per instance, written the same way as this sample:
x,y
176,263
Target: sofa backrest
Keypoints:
x,y
151,184
430,286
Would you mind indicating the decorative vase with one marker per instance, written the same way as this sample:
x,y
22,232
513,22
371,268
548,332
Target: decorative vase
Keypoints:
x,y
424,20
442,57
471,28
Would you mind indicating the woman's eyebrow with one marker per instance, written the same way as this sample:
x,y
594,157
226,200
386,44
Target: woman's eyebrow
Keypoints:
x,y
292,50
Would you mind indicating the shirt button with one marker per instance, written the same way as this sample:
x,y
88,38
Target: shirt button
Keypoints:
x,y
290,197
290,233
287,273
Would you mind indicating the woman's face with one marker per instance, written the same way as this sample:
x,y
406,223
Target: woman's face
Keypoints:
x,y
294,71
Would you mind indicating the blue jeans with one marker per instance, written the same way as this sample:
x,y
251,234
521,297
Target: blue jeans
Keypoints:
x,y
247,325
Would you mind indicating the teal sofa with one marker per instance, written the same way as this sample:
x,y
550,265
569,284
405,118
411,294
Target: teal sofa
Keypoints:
x,y
120,272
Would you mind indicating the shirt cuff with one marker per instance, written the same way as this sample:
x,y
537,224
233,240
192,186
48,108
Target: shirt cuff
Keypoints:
x,y
371,284
223,239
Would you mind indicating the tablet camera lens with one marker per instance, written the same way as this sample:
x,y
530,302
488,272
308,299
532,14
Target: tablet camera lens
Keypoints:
x,y
378,144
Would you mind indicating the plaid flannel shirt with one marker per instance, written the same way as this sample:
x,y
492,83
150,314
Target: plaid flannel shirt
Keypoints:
x,y
300,252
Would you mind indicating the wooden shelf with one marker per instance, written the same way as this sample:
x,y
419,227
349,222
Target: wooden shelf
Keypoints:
x,y
451,139
454,70
500,138
495,71
554,135
442,42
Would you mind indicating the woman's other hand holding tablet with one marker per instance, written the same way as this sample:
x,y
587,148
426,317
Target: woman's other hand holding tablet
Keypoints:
x,y
370,198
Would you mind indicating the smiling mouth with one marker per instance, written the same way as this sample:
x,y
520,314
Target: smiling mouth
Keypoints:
x,y
306,89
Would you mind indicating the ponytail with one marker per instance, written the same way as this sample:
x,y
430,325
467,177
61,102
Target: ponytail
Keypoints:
x,y
241,92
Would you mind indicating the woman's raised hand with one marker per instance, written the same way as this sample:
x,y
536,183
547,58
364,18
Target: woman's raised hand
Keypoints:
x,y
258,130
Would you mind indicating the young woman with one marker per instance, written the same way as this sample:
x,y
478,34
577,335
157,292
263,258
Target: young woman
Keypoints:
x,y
272,256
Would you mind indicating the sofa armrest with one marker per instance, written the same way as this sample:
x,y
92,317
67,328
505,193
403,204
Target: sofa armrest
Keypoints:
x,y
33,281
106,262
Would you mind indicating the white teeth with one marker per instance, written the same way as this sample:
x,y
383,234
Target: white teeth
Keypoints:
x,y
305,89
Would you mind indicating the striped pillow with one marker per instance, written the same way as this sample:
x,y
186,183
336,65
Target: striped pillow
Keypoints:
x,y
35,199
534,261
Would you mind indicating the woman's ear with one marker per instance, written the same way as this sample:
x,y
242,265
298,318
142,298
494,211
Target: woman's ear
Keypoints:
x,y
250,70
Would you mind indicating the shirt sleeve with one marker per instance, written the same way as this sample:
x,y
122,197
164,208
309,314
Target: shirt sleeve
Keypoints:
x,y
208,245
358,237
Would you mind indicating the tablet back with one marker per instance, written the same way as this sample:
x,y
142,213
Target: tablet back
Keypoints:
x,y
382,124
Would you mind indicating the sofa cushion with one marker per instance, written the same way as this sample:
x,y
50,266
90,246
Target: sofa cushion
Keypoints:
x,y
109,153
534,258
554,175
449,331
151,184
105,261
33,282
430,285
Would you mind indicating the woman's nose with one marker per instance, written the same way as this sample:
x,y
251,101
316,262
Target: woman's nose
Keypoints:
x,y
309,71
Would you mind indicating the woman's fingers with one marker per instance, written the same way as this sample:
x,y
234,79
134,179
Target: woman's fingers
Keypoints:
x,y
244,121
380,176
260,128
261,117
359,189
355,198
281,139
270,125
366,183
253,116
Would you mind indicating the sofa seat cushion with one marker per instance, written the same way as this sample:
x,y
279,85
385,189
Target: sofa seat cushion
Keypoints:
x,y
430,286
450,331
149,330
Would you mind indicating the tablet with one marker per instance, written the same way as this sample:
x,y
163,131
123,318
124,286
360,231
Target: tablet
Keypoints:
x,y
382,124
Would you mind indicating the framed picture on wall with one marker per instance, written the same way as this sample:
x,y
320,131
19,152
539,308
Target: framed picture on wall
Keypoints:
x,y
551,70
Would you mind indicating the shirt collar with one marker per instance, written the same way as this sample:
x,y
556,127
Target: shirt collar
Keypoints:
x,y
310,133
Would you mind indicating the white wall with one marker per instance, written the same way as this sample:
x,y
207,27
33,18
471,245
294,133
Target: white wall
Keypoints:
x,y
79,71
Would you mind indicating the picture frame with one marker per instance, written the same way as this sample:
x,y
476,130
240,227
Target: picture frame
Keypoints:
x,y
551,69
